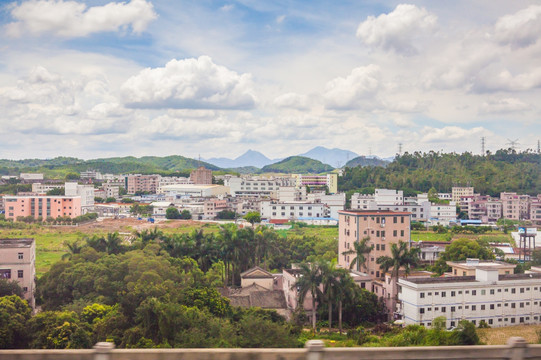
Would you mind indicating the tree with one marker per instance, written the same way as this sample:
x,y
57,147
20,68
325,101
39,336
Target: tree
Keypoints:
x,y
14,315
56,191
253,217
308,282
172,213
460,250
74,247
344,290
110,199
72,176
361,251
329,280
401,257
226,215
98,199
10,287
185,215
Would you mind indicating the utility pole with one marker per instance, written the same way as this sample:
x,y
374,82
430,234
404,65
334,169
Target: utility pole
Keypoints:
x,y
483,146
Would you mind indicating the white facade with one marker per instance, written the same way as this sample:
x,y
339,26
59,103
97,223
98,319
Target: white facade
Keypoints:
x,y
246,186
172,180
194,190
40,188
30,176
290,211
499,300
389,197
460,191
86,192
443,212
291,193
334,202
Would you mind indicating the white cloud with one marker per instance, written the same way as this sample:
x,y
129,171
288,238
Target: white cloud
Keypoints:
x,y
449,134
72,19
353,91
280,19
398,29
505,105
190,84
48,103
520,29
293,101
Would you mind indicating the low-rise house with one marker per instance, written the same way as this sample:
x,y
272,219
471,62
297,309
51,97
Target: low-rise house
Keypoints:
x,y
17,262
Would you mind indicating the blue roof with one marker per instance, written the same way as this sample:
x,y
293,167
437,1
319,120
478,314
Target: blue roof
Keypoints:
x,y
316,218
471,222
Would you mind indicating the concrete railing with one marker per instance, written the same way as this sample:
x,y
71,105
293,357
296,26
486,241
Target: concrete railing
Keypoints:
x,y
516,349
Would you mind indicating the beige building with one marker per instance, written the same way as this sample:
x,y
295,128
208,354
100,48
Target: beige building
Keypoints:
x,y
459,191
17,262
467,268
142,183
201,176
383,228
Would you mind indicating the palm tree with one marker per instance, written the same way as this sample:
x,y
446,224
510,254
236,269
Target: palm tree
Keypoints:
x,y
309,281
344,290
329,280
400,257
361,250
74,247
113,243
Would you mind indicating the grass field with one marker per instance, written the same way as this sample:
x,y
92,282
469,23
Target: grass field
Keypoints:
x,y
496,236
499,336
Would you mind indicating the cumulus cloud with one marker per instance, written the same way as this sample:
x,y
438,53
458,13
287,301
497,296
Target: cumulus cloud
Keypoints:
x,y
353,91
71,19
189,84
293,101
398,29
520,29
502,106
496,79
46,102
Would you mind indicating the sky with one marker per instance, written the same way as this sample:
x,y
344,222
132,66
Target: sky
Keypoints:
x,y
100,78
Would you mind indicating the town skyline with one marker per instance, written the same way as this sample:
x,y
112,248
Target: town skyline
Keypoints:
x,y
94,79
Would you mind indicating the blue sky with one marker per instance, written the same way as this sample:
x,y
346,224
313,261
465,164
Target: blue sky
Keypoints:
x,y
216,78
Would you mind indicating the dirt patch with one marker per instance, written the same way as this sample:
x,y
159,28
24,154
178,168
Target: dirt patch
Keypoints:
x,y
499,336
132,224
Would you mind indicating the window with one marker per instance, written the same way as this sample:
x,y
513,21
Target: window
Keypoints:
x,y
482,307
20,274
522,290
474,307
490,321
483,292
521,305
513,305
453,293
395,232
443,294
474,292
512,320
491,306
25,289
436,293
443,309
422,295
513,291
452,308
401,232
20,256
421,311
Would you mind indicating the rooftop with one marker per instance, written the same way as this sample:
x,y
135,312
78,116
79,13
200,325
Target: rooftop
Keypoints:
x,y
374,212
463,279
16,243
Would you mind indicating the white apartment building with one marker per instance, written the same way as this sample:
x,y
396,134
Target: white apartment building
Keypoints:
x,y
272,210
443,213
31,176
291,193
254,186
172,180
362,202
111,191
389,197
334,202
499,300
86,192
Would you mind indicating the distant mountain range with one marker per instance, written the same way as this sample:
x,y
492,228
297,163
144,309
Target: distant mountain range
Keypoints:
x,y
367,161
334,157
297,164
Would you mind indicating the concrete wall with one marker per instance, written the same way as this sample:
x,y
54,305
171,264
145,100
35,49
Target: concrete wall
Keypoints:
x,y
516,349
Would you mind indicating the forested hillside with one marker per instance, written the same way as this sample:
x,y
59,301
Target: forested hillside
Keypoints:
x,y
297,164
505,170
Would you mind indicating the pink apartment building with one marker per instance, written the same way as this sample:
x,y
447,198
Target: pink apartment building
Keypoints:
x,y
145,183
17,262
382,227
42,206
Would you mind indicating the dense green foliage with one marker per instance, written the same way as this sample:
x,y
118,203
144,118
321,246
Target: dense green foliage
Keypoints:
x,y
460,250
491,174
297,164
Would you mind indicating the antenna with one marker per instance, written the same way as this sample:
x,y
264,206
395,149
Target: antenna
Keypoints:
x,y
512,144
199,161
538,147
483,146
370,151
399,148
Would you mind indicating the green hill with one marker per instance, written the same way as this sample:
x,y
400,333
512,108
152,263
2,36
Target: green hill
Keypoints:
x,y
364,161
502,171
297,164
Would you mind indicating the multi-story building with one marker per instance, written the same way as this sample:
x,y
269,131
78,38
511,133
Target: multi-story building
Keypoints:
x,y
257,186
86,192
42,206
515,207
362,201
382,227
111,191
213,206
172,180
31,177
291,193
458,192
535,210
443,212
273,210
201,176
389,197
40,188
468,267
318,182
499,300
142,183
17,262
334,202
